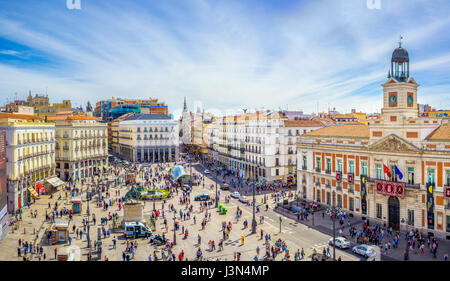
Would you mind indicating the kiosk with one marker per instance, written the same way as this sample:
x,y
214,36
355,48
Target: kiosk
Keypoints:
x,y
59,232
76,205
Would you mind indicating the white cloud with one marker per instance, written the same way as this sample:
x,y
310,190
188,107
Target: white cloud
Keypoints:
x,y
224,54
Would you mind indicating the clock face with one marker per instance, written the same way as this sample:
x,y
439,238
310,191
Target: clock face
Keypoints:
x,y
410,100
393,99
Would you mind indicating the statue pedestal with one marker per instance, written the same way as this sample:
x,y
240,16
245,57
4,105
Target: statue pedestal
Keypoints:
x,y
133,212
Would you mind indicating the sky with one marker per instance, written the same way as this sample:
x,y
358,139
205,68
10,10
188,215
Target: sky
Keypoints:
x,y
223,55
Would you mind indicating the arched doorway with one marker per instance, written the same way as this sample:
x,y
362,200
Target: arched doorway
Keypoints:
x,y
394,212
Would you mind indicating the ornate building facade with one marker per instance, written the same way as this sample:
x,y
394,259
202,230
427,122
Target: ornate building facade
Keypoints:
x,y
395,170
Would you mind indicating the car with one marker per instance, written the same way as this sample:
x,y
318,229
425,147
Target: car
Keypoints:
x,y
206,171
364,250
243,199
225,187
235,194
341,242
202,197
158,240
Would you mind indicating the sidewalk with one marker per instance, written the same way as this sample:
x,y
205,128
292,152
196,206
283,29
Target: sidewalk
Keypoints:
x,y
325,226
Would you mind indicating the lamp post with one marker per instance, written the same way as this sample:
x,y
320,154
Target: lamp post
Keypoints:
x,y
254,206
174,233
334,231
217,178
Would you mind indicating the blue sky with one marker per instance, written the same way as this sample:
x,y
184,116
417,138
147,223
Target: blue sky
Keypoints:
x,y
223,54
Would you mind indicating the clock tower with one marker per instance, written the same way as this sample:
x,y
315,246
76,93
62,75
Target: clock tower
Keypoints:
x,y
400,91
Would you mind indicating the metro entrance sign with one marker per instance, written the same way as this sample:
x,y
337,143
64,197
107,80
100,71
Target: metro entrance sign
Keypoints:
x,y
390,188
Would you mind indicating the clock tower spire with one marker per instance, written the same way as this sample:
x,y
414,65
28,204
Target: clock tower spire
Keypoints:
x,y
400,91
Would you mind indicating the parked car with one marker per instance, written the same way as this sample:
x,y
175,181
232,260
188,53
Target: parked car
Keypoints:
x,y
235,194
364,250
202,197
243,199
225,186
341,242
206,171
295,209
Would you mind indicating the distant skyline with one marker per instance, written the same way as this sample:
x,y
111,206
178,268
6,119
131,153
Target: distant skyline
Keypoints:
x,y
226,54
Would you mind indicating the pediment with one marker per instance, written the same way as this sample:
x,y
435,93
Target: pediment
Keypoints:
x,y
412,81
391,80
395,144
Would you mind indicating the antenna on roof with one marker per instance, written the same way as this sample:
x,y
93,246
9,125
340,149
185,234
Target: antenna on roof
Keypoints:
x,y
400,42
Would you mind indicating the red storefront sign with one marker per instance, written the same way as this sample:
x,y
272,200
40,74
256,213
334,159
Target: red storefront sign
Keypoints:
x,y
338,176
390,188
447,191
350,178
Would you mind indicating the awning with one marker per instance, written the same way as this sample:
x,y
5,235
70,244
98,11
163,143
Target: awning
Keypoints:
x,y
55,181
39,185
33,192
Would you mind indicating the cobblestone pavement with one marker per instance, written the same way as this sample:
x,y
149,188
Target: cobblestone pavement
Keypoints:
x,y
296,235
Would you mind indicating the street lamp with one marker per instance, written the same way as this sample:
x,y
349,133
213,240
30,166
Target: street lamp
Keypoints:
x,y
174,233
334,231
254,206
217,178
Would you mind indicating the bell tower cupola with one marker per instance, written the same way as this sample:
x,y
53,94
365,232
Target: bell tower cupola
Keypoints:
x,y
399,63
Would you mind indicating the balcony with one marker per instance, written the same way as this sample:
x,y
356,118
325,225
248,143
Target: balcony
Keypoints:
x,y
328,185
317,183
65,148
328,171
351,190
447,207
339,188
318,170
304,168
412,186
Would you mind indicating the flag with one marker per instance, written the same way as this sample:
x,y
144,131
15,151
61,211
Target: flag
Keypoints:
x,y
387,171
397,171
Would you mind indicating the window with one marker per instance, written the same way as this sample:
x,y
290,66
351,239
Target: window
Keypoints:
x,y
431,176
379,174
351,204
328,198
411,175
448,177
339,165
318,195
318,164
411,217
364,168
304,162
351,166
328,164
339,201
139,137
448,223
379,210
277,172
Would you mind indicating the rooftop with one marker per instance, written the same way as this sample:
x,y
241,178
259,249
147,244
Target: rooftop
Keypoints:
x,y
341,131
441,133
148,117
302,123
19,116
77,117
